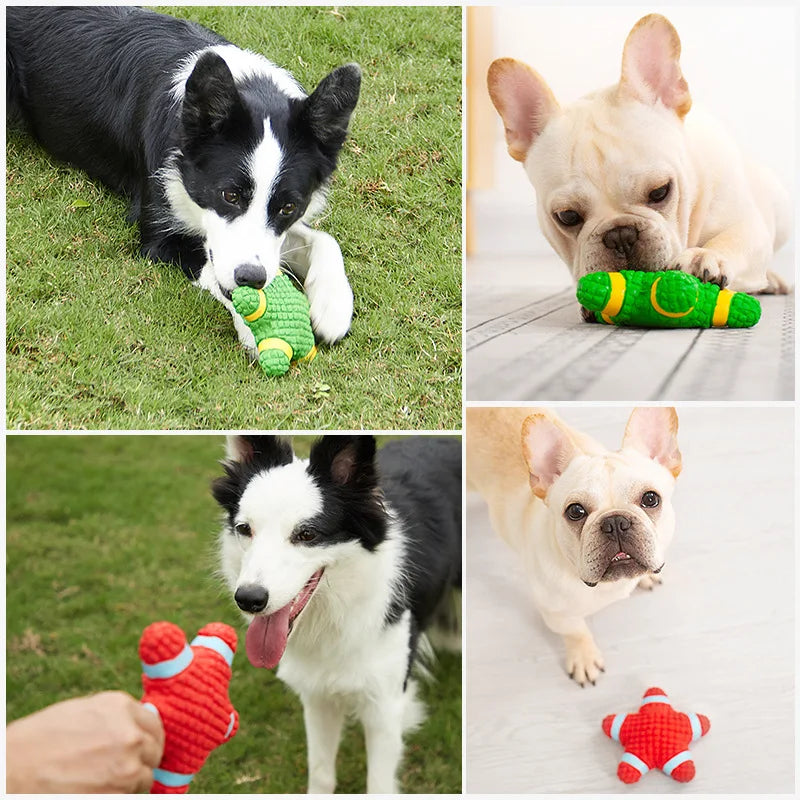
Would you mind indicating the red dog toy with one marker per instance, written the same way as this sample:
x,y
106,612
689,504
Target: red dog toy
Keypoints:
x,y
656,736
187,686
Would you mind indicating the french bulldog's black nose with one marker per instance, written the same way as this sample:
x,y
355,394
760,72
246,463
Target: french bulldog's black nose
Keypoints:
x,y
251,598
622,239
250,275
615,525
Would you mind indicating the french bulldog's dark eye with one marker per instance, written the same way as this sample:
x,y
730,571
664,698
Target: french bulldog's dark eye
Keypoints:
x,y
657,195
650,500
287,210
231,197
575,512
304,536
243,529
569,218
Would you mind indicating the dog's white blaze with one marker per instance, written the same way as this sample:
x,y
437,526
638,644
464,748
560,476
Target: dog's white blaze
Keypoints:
x,y
243,64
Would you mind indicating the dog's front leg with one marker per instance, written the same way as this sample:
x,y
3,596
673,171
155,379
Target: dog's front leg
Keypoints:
x,y
584,661
324,718
383,731
316,259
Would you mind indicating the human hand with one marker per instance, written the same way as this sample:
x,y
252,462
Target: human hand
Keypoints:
x,y
106,742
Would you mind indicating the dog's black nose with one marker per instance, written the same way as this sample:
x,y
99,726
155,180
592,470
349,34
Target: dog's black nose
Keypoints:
x,y
622,239
615,525
251,598
250,275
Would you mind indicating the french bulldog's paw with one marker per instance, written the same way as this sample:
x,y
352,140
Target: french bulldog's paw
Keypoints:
x,y
584,660
708,265
650,581
588,316
332,313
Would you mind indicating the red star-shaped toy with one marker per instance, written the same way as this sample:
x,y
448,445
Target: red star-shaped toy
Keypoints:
x,y
656,736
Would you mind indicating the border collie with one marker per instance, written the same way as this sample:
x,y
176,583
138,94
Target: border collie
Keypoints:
x,y
222,154
340,562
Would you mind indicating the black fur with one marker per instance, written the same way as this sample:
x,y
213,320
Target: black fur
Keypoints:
x,y
93,86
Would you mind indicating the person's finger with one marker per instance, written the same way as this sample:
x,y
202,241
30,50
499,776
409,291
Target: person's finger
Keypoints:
x,y
151,751
144,781
150,722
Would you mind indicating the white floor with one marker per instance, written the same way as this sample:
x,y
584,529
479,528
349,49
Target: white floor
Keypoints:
x,y
526,341
717,636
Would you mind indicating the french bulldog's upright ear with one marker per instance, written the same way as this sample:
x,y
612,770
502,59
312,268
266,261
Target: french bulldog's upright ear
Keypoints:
x,y
651,70
654,432
524,102
548,448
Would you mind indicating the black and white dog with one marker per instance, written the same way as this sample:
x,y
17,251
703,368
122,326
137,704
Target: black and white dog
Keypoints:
x,y
222,154
340,562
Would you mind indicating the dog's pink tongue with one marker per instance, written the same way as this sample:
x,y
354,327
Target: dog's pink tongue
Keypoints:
x,y
266,638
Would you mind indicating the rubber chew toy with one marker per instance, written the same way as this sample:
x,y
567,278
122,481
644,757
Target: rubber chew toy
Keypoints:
x,y
656,736
187,686
278,316
664,300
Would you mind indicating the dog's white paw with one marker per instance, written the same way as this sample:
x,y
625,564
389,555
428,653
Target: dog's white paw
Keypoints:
x,y
584,659
332,312
708,265
650,581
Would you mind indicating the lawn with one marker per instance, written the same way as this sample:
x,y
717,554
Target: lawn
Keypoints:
x,y
106,534
99,338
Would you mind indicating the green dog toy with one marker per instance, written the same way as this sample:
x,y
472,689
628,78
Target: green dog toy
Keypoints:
x,y
279,319
664,300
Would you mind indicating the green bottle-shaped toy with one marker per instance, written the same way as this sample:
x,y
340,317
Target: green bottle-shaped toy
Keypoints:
x,y
278,316
664,300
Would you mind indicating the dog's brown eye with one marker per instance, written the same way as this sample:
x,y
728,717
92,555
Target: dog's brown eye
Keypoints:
x,y
287,210
650,500
575,512
569,218
303,536
243,529
231,197
657,195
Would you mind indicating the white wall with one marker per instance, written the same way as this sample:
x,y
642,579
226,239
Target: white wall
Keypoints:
x,y
739,63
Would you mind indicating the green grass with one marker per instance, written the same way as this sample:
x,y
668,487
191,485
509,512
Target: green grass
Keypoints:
x,y
106,534
98,337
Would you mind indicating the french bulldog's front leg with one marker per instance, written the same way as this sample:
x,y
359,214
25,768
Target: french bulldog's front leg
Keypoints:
x,y
584,660
316,259
734,259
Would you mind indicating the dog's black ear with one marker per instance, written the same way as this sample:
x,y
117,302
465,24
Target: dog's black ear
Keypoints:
x,y
344,460
327,109
211,101
246,456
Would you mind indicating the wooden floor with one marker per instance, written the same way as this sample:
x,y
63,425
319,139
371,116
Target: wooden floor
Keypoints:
x,y
717,636
526,341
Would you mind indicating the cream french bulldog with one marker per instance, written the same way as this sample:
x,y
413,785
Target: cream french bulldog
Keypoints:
x,y
627,178
588,524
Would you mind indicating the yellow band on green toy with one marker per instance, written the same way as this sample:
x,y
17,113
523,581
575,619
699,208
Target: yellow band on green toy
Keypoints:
x,y
614,303
309,356
259,312
722,308
275,344
670,314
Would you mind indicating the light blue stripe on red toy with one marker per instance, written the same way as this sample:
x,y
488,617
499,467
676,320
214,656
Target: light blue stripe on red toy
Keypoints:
x,y
697,728
676,761
636,763
616,726
173,779
215,643
655,698
230,726
167,669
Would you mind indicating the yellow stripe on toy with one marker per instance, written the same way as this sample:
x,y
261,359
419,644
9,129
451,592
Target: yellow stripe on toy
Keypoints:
x,y
275,344
662,311
309,356
259,312
722,309
616,298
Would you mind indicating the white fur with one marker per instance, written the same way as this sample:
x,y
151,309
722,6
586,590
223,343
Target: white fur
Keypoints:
x,y
341,657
